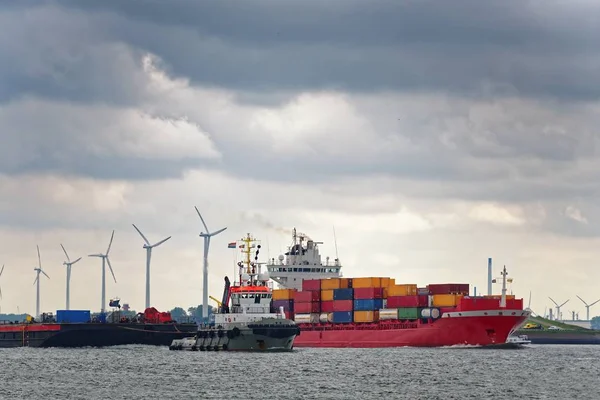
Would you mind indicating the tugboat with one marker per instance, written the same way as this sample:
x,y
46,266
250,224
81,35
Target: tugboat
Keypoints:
x,y
249,324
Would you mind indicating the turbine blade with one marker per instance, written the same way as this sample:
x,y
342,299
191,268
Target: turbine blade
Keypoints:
x,y
594,302
201,219
76,261
217,232
36,279
581,300
45,274
141,234
565,303
111,270
63,247
110,243
39,258
161,242
2,270
553,301
0,293
96,255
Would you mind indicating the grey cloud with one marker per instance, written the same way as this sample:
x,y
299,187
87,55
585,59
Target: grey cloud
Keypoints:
x,y
351,45
466,47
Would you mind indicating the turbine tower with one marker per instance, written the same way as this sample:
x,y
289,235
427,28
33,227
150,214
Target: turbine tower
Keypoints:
x,y
148,248
37,280
558,316
587,307
206,236
1,271
105,260
68,263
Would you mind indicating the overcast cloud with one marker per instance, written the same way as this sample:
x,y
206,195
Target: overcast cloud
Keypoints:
x,y
446,133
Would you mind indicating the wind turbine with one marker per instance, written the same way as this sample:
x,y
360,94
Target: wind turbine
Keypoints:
x,y
587,307
558,316
68,263
148,248
105,261
37,280
0,287
206,237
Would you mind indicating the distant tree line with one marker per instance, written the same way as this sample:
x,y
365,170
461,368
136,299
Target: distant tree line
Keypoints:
x,y
595,323
178,314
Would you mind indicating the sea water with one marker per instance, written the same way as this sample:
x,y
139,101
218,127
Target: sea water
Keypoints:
x,y
146,372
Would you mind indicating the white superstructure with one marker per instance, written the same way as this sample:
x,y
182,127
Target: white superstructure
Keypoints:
x,y
302,261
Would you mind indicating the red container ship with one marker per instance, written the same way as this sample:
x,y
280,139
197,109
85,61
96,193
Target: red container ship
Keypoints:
x,y
333,311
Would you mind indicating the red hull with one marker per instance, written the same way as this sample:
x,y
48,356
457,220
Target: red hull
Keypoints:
x,y
467,328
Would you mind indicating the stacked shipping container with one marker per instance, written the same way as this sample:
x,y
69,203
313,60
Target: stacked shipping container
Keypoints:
x,y
372,299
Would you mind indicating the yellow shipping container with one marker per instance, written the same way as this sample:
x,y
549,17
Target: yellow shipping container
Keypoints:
x,y
402,290
446,300
327,295
366,282
283,294
392,282
385,282
366,316
332,283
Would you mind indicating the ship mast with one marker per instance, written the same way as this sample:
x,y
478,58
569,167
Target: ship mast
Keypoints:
x,y
503,298
250,268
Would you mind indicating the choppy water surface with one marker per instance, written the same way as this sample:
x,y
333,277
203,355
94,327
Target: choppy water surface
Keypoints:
x,y
145,372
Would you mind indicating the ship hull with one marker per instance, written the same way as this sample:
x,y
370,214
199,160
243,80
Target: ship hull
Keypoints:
x,y
92,334
271,335
476,328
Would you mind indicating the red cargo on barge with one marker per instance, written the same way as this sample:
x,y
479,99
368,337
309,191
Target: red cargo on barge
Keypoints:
x,y
381,312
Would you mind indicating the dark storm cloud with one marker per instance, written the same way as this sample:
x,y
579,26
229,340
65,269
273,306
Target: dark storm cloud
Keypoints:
x,y
469,47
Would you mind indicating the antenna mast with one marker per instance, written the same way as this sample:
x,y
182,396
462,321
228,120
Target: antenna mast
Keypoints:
x,y
337,258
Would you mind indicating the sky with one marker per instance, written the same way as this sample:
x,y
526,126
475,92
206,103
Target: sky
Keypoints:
x,y
430,135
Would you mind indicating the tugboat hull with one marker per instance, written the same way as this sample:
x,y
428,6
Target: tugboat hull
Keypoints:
x,y
268,335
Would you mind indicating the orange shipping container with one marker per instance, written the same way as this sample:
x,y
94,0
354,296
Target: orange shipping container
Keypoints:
x,y
332,283
446,300
327,295
392,282
402,290
344,283
366,316
283,294
366,282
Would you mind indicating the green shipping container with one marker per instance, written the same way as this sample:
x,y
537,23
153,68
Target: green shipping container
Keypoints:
x,y
408,313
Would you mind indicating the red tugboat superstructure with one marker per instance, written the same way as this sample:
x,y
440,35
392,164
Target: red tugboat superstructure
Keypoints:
x,y
377,312
248,324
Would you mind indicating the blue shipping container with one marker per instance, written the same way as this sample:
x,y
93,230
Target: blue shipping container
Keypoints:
x,y
343,294
368,304
73,316
342,317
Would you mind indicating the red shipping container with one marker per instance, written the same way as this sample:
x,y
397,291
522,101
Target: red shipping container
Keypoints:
x,y
307,297
327,306
479,303
448,288
343,305
289,315
423,300
311,284
368,293
403,301
307,308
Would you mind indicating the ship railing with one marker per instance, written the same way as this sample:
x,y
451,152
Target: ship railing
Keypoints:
x,y
251,310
